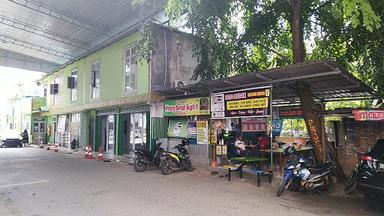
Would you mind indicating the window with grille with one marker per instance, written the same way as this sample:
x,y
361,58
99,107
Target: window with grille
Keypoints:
x,y
95,80
72,84
130,69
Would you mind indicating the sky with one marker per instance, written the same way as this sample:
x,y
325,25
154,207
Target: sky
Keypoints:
x,y
10,78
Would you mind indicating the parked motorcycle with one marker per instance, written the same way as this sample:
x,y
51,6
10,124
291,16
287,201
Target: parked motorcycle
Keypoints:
x,y
144,159
297,170
171,162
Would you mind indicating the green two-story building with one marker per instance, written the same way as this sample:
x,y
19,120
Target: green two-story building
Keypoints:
x,y
108,99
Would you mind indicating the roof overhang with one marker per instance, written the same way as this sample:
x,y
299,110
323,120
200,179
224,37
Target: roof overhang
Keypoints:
x,y
327,81
51,33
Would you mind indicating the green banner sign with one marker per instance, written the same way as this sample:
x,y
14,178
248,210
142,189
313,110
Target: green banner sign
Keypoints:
x,y
187,107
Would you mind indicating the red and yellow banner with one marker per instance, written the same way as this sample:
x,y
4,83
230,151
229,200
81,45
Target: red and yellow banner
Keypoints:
x,y
368,115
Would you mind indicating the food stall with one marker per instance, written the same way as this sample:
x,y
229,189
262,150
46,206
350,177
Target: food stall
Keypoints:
x,y
244,113
188,119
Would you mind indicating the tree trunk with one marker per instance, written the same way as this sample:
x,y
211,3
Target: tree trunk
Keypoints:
x,y
297,32
313,123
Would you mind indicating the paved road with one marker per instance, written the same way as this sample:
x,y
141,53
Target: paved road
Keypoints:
x,y
39,182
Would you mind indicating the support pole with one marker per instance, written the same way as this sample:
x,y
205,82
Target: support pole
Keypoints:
x,y
271,125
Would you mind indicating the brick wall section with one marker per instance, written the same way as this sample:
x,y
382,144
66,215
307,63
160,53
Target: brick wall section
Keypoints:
x,y
359,136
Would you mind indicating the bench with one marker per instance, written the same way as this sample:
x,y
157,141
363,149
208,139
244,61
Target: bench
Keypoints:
x,y
259,173
231,168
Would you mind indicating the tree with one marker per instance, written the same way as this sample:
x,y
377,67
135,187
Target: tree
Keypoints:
x,y
278,32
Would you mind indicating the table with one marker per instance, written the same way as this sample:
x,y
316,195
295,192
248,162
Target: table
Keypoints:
x,y
246,161
280,152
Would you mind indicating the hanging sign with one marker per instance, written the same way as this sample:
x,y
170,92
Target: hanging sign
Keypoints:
x,y
187,107
61,123
250,102
253,124
368,115
202,132
291,113
277,127
192,129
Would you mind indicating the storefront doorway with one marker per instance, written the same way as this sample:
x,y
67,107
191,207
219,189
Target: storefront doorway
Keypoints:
x,y
134,131
138,127
39,131
108,134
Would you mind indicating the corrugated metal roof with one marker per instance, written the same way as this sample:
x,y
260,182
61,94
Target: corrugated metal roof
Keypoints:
x,y
328,82
59,31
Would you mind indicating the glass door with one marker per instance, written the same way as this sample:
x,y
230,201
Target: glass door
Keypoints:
x,y
138,129
110,134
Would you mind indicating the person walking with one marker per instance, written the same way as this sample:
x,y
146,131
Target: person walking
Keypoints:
x,y
25,137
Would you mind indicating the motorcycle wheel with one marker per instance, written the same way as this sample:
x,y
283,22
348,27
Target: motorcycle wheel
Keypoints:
x,y
282,186
188,165
350,184
166,167
139,165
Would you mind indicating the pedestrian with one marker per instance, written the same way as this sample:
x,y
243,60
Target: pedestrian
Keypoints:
x,y
25,137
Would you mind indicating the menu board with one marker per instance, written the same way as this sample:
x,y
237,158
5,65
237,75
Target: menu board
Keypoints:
x,y
250,102
202,132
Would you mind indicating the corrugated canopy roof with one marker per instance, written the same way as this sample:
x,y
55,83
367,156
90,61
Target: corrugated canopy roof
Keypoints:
x,y
326,79
43,34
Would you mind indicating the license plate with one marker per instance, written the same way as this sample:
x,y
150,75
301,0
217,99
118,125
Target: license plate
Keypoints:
x,y
381,166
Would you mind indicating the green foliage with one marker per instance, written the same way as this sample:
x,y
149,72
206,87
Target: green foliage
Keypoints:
x,y
147,41
360,12
238,36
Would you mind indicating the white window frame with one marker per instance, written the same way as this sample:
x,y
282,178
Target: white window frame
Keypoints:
x,y
55,97
74,89
95,90
130,68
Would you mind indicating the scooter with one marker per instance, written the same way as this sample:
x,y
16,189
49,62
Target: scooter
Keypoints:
x,y
144,159
297,170
171,162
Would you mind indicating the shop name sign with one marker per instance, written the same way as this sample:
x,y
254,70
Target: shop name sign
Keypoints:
x,y
368,115
251,102
187,107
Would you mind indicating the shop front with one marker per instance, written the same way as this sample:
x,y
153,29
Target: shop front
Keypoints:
x,y
189,119
133,129
105,131
39,130
241,123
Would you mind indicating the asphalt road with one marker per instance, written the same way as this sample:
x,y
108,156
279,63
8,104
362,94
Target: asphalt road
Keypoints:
x,y
40,182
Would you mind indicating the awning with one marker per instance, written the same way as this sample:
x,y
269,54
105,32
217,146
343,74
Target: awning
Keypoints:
x,y
328,82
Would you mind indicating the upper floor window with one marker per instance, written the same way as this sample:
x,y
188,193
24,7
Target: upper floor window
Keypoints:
x,y
45,90
72,84
130,68
95,80
54,90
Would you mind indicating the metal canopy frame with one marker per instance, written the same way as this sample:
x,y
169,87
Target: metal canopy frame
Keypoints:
x,y
60,32
328,82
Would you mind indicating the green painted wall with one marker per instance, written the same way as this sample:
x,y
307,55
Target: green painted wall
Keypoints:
x,y
111,76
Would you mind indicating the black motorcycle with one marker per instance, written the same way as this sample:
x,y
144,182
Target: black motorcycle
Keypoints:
x,y
171,162
144,159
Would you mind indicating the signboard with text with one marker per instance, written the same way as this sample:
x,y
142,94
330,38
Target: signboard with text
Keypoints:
x,y
250,102
368,115
187,107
